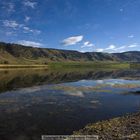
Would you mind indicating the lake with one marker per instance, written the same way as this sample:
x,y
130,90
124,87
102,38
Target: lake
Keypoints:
x,y
34,102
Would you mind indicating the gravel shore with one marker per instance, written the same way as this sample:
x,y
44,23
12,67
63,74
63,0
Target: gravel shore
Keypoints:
x,y
121,128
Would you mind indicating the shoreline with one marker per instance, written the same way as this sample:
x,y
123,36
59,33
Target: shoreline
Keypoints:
x,y
100,65
125,127
22,66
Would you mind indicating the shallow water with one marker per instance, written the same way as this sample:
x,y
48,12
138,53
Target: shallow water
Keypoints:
x,y
34,102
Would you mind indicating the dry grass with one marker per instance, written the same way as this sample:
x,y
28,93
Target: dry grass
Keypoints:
x,y
22,66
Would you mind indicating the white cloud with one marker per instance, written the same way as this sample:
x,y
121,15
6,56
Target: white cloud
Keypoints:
x,y
27,18
14,25
27,30
133,45
10,33
108,49
87,44
72,40
120,48
11,24
121,10
113,48
30,4
131,36
30,43
99,50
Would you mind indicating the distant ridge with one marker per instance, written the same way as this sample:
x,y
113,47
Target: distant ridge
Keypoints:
x,y
19,54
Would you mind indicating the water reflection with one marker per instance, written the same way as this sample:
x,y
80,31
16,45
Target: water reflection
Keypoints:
x,y
13,79
35,102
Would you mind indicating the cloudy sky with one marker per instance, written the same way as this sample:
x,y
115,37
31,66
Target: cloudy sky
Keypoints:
x,y
82,25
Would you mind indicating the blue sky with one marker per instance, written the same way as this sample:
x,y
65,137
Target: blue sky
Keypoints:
x,y
82,25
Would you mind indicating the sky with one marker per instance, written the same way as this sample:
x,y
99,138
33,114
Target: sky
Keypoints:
x,y
81,25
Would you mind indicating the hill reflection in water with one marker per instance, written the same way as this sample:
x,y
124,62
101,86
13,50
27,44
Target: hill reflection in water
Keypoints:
x,y
45,101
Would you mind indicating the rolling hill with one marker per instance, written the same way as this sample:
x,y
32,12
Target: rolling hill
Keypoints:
x,y
19,54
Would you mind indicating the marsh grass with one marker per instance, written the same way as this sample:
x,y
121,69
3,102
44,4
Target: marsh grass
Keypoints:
x,y
95,65
77,65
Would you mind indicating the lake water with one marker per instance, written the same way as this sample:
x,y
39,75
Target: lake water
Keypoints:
x,y
34,102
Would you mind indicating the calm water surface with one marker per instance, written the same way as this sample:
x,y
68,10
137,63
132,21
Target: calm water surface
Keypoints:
x,y
35,102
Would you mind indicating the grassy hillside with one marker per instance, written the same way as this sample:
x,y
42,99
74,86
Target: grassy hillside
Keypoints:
x,y
18,54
